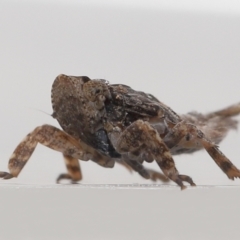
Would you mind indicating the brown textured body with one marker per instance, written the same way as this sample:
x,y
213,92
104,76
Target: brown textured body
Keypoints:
x,y
113,123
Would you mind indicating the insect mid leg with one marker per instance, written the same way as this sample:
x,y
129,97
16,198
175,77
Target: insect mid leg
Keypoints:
x,y
155,175
47,135
144,172
138,167
74,170
141,137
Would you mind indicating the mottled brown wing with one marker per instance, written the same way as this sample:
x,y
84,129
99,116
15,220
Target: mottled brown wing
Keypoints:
x,y
128,105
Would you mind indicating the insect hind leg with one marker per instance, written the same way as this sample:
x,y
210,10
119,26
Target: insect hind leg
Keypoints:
x,y
183,128
229,111
221,160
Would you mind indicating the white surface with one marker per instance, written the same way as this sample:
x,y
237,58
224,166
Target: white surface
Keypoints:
x,y
187,58
81,212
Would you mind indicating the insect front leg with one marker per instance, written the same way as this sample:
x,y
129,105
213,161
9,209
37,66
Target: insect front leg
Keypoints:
x,y
73,168
140,137
53,138
191,133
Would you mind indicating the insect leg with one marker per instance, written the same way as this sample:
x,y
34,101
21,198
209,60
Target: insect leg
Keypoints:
x,y
144,172
182,129
138,167
220,159
47,135
140,137
230,111
73,167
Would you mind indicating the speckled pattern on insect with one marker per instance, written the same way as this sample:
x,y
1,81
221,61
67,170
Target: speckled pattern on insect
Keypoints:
x,y
108,123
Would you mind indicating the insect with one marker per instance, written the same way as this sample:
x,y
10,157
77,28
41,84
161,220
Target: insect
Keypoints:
x,y
109,123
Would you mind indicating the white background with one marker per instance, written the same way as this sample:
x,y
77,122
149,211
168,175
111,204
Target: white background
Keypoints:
x,y
186,53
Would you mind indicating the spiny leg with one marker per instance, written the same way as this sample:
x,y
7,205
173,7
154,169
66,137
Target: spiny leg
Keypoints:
x,y
47,135
184,129
141,137
74,170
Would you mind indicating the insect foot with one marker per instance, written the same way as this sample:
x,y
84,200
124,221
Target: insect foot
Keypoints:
x,y
6,175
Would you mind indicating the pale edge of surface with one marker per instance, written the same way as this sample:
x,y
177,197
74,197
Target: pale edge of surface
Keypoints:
x,y
129,186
